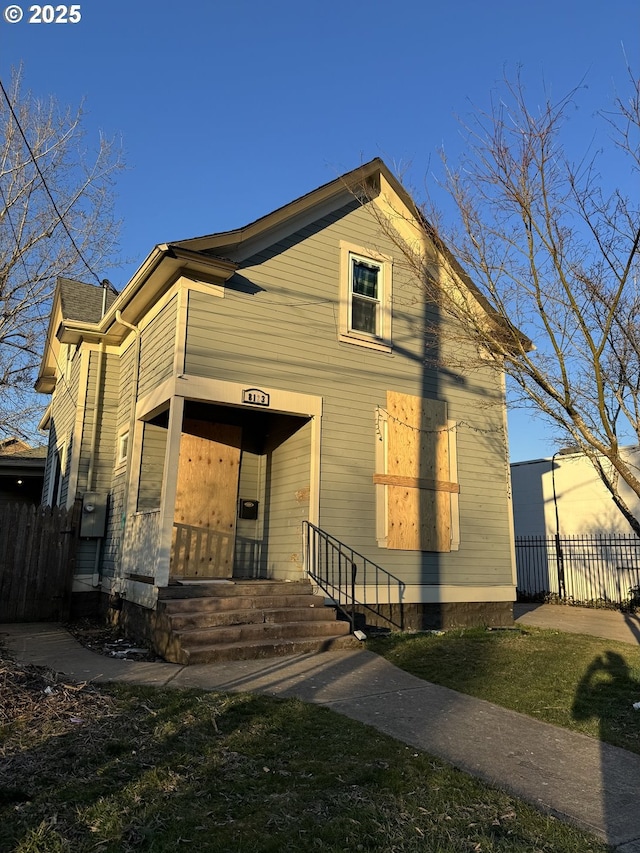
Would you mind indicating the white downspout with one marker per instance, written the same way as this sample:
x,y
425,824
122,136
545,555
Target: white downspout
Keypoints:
x,y
134,399
95,580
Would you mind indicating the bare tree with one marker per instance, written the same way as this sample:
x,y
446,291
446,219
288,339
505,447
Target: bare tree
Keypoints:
x,y
56,219
552,256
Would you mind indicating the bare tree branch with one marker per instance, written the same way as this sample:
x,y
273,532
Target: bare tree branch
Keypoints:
x,y
553,257
35,247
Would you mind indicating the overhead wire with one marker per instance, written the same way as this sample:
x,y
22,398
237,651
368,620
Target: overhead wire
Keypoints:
x,y
45,186
61,221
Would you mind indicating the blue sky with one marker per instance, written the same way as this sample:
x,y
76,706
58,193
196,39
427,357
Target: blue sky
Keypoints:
x,y
226,111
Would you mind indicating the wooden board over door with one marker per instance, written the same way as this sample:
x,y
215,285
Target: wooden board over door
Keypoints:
x,y
204,523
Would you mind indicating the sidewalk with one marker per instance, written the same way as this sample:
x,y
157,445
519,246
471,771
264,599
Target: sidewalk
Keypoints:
x,y
574,777
608,624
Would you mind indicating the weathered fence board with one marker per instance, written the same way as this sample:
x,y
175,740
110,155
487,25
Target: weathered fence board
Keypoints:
x,y
37,560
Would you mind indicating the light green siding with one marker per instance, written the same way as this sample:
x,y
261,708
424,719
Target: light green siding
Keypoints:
x,y
250,532
288,475
154,442
285,335
63,414
115,526
102,408
126,385
157,348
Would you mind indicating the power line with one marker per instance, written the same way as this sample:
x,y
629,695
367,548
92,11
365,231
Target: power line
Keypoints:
x,y
46,188
35,301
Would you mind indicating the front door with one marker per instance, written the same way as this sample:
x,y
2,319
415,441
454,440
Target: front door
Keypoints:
x,y
204,523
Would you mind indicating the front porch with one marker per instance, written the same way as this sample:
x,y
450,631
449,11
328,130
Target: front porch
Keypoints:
x,y
216,492
216,498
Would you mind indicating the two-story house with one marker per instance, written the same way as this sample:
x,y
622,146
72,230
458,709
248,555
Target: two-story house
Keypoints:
x,y
247,382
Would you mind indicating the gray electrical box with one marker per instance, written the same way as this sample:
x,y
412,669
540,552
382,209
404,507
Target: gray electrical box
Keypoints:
x,y
94,514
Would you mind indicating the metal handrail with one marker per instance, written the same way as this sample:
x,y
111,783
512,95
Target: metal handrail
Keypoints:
x,y
340,572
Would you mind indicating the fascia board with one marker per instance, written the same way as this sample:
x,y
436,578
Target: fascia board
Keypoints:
x,y
162,267
329,196
26,466
46,417
45,381
160,270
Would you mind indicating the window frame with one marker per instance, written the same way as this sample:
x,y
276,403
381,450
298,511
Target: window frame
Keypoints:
x,y
57,473
123,441
351,254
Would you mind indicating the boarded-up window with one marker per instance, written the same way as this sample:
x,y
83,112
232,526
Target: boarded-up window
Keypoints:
x,y
418,458
154,443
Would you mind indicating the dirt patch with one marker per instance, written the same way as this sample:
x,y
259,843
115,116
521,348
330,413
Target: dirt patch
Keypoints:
x,y
107,640
36,703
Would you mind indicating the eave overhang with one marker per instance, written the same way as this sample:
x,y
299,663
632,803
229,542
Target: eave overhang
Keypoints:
x,y
337,192
161,269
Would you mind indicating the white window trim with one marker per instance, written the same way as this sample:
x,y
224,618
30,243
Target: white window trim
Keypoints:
x,y
382,341
60,453
123,441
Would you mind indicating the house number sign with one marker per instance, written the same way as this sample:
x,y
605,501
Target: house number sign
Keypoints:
x,y
255,396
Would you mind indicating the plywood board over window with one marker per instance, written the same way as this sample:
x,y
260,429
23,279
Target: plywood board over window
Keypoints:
x,y
419,475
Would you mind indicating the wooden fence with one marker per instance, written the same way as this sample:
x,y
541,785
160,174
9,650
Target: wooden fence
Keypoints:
x,y
37,560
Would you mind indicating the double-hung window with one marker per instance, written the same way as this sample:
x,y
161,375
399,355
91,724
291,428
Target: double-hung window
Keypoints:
x,y
365,293
365,297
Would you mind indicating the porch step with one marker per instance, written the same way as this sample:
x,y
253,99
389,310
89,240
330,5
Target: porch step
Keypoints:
x,y
252,650
216,603
182,621
257,631
226,589
245,619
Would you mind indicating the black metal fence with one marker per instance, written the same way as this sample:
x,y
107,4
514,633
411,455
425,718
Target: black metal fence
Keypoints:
x,y
582,569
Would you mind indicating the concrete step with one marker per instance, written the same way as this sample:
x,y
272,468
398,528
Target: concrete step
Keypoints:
x,y
197,623
259,631
215,604
213,618
249,650
233,588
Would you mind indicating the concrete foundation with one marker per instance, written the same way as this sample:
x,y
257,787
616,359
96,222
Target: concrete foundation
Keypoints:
x,y
440,617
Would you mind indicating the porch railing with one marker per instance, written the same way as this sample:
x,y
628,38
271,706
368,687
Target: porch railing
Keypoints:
x,y
351,580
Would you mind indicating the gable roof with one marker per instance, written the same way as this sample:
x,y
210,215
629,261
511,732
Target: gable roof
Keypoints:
x,y
81,301
77,309
334,193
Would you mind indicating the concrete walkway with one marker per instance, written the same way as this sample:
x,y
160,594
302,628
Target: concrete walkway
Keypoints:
x,y
608,624
574,777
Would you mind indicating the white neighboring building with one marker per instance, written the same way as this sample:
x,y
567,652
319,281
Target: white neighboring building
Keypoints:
x,y
563,496
584,506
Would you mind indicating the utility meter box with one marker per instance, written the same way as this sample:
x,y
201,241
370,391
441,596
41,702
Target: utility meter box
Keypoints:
x,y
94,514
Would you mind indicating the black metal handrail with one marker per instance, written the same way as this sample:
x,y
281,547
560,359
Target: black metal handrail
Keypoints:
x,y
350,579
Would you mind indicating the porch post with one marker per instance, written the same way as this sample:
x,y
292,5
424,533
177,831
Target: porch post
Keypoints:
x,y
169,487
